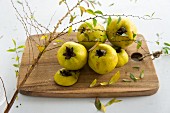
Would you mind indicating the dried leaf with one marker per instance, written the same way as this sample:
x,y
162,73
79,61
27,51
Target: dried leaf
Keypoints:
x,y
136,67
115,78
141,74
119,19
104,83
90,11
97,43
98,12
94,22
167,44
11,50
133,77
93,83
70,30
103,108
126,80
40,48
109,21
89,25
98,104
114,100
82,10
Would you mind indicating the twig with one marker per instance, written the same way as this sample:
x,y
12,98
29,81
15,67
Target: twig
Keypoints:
x,y
4,90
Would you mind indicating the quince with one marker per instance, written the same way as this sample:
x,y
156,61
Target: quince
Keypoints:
x,y
66,77
72,56
88,37
122,57
121,32
103,59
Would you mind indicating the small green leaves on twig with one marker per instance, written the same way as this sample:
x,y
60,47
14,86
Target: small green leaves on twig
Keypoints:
x,y
109,20
93,83
44,37
70,30
139,44
72,18
101,107
134,35
94,22
115,78
166,48
98,12
82,10
90,11
119,19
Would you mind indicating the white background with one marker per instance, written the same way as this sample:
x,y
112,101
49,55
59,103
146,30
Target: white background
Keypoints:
x,y
10,28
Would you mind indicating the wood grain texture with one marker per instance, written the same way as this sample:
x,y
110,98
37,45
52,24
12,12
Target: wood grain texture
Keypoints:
x,y
41,82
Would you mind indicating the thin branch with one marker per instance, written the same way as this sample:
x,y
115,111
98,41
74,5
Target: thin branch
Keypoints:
x,y
4,90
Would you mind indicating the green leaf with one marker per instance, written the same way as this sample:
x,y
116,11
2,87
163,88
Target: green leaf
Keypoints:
x,y
16,65
157,34
109,21
20,47
167,44
157,42
115,78
72,18
90,11
126,80
134,35
119,19
104,83
111,4
61,1
19,2
89,25
141,74
133,77
93,83
70,30
14,42
165,50
11,50
94,22
16,73
98,104
114,100
82,10
139,44
168,48
136,67
98,12
17,58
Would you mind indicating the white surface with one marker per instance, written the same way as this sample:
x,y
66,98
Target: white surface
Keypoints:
x,y
10,28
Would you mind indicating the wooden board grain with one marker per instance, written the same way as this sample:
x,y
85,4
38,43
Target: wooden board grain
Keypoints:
x,y
41,82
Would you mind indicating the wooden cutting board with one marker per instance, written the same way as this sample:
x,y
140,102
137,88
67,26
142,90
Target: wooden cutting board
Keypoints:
x,y
41,82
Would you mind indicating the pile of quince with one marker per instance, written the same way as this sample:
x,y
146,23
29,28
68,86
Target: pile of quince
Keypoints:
x,y
91,48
